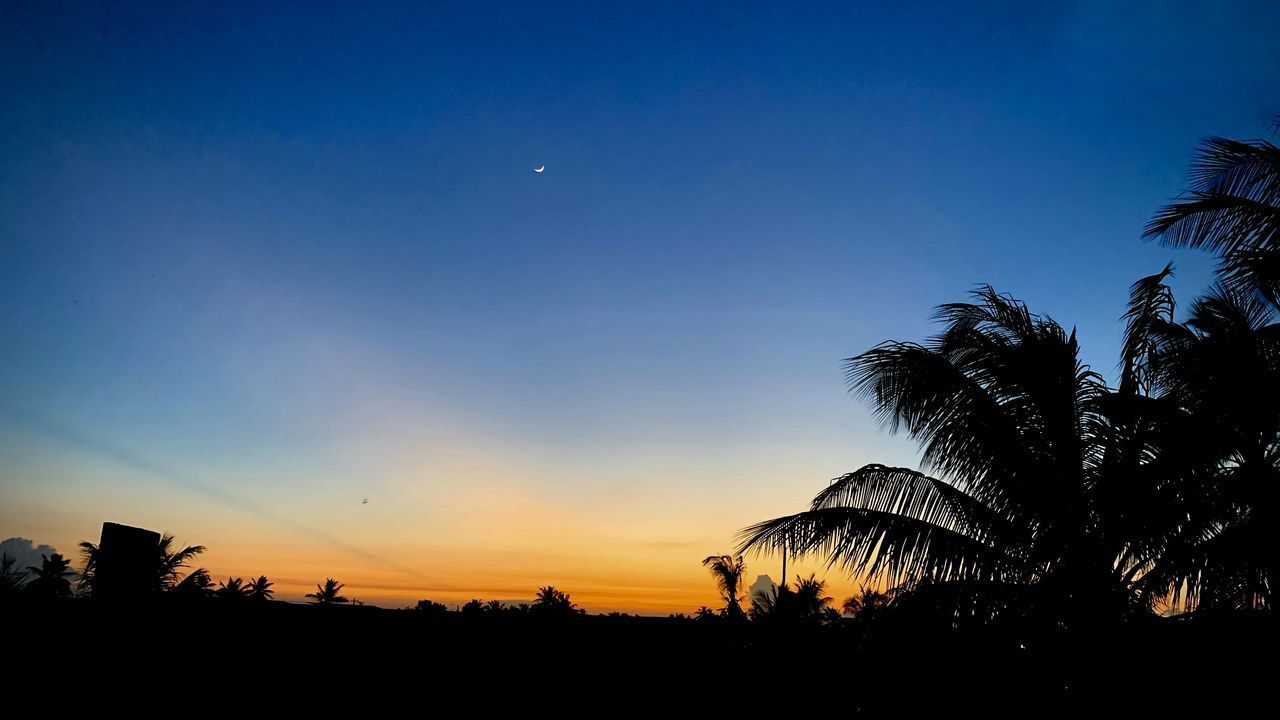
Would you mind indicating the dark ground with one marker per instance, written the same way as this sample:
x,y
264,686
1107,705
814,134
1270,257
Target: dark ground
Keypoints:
x,y
371,662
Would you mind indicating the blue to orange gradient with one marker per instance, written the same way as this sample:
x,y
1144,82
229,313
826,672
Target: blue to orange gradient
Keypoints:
x,y
260,264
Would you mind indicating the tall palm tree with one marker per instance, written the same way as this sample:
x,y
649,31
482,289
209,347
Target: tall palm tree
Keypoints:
x,y
1232,209
1010,422
1220,369
260,589
328,593
729,572
52,578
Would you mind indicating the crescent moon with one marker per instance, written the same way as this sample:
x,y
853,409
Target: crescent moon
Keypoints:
x,y
540,168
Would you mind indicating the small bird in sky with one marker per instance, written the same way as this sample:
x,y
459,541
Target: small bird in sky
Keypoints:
x,y
365,501
540,168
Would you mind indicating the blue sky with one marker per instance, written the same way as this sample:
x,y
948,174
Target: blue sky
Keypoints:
x,y
259,261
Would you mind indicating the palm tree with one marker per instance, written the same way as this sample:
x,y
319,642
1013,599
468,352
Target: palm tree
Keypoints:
x,y
232,589
197,582
1011,423
52,579
729,572
550,601
328,593
260,589
169,563
1233,209
706,614
12,579
866,603
1220,371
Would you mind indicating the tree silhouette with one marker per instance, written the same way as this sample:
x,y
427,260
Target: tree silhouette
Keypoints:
x,y
197,582
1217,377
729,572
169,563
550,601
260,589
431,609
706,614
12,578
866,603
328,593
1017,429
52,578
1232,209
232,589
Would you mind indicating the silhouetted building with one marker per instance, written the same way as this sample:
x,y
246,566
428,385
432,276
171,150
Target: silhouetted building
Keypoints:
x,y
126,564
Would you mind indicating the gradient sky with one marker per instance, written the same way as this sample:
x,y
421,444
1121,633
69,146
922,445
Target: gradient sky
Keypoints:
x,y
261,263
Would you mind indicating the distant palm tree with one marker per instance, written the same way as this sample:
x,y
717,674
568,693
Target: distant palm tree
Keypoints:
x,y
494,607
729,572
328,593
706,614
232,589
197,582
811,598
866,603
260,589
52,579
430,608
1232,209
12,578
549,600
807,604
770,603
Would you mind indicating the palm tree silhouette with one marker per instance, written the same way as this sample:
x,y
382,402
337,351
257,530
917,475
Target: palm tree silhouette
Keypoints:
x,y
1217,378
169,563
328,593
1217,375
52,578
1014,425
260,589
1233,209
729,572
550,601
866,603
706,614
12,578
232,589
197,582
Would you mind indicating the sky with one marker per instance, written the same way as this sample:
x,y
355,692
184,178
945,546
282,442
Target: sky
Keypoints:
x,y
260,264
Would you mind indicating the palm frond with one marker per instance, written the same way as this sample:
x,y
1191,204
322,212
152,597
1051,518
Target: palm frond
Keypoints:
x,y
878,545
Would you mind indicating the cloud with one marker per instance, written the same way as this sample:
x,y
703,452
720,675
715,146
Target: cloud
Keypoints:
x,y
763,584
24,552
